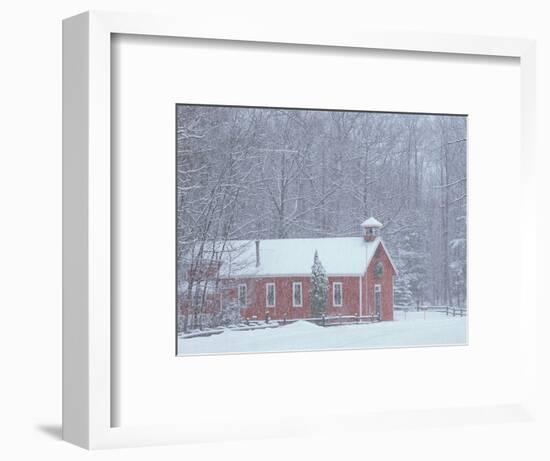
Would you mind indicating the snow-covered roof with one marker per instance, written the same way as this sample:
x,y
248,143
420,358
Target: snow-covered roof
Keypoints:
x,y
371,222
339,256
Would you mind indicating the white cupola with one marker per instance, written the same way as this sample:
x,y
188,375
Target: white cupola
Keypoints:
x,y
371,228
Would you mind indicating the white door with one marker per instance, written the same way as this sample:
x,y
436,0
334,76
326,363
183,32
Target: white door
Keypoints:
x,y
378,300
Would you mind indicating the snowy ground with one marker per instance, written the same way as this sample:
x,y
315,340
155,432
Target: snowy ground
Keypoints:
x,y
411,329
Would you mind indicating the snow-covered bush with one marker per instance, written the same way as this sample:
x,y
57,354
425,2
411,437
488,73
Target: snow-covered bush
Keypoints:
x,y
230,315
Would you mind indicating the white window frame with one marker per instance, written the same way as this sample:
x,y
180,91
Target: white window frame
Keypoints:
x,y
334,284
267,285
294,284
239,287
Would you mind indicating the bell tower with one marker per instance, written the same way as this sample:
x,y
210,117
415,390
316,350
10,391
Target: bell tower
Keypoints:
x,y
371,228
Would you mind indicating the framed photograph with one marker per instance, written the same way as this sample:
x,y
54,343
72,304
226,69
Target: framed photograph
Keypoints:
x,y
277,238
260,221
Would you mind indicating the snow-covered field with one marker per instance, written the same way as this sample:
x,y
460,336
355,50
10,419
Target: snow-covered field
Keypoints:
x,y
412,329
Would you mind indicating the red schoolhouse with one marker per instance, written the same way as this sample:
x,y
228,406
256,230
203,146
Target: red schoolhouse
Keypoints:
x,y
273,277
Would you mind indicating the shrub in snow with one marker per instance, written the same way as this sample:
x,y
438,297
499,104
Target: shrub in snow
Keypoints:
x,y
230,315
319,287
181,323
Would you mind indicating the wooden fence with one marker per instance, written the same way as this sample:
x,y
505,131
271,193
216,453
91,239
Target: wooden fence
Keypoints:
x,y
328,321
454,311
324,321
256,325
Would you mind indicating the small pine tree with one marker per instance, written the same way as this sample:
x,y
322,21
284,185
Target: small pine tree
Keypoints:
x,y
402,294
319,287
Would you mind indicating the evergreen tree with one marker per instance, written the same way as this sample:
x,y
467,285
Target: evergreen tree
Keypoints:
x,y
457,266
402,294
411,258
319,287
412,264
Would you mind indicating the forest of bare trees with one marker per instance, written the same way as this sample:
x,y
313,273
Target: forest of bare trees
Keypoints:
x,y
256,173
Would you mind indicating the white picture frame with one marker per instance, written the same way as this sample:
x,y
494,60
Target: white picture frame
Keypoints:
x,y
88,367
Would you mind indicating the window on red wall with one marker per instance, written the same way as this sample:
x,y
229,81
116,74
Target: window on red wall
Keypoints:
x,y
337,294
296,294
242,295
270,295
